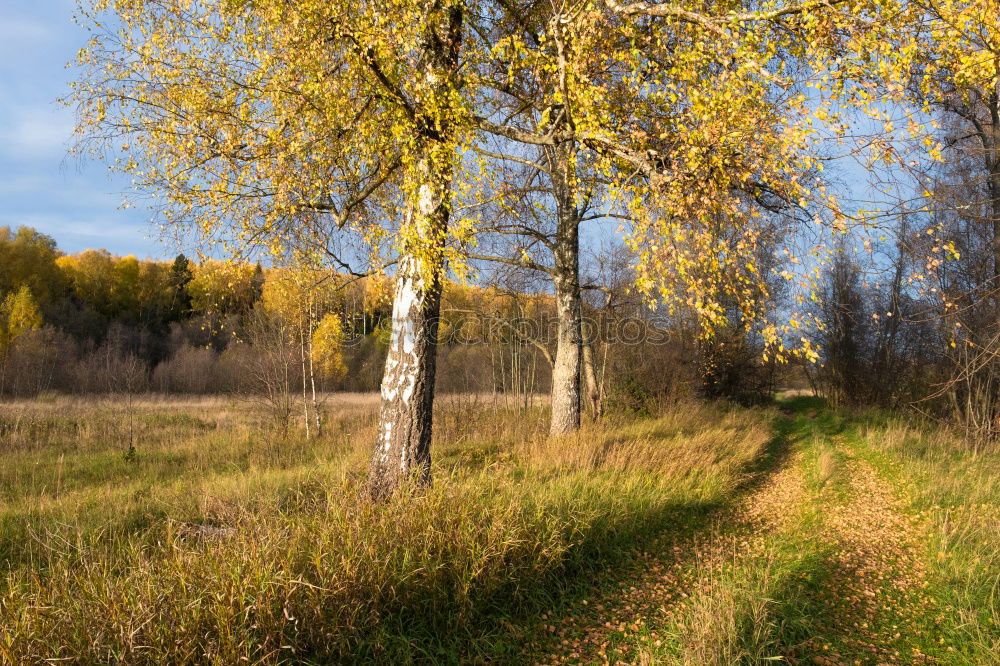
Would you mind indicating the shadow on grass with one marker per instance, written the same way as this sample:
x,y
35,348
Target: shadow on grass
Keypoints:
x,y
610,555
493,624
811,616
801,614
506,620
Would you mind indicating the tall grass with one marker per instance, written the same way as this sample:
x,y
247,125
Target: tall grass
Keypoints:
x,y
956,488
102,564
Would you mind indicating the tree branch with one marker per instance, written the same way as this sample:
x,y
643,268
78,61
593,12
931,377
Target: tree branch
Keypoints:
x,y
517,263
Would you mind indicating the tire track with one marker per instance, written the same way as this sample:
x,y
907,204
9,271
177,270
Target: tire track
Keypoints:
x,y
874,601
619,626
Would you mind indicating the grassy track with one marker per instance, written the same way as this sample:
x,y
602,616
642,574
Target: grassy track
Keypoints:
x,y
874,543
708,535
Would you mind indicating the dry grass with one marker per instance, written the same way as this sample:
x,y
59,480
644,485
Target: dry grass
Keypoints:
x,y
104,566
728,620
826,465
692,535
688,437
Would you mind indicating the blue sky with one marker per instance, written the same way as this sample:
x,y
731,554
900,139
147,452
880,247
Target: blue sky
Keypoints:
x,y
72,200
41,186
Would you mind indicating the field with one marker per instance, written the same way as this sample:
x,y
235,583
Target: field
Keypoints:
x,y
706,534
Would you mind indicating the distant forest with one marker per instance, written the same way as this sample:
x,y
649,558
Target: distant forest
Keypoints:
x,y
97,323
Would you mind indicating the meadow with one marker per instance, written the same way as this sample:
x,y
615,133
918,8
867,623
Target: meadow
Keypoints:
x,y
702,534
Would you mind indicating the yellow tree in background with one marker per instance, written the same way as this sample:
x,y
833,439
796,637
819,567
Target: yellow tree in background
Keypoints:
x,y
19,314
29,258
328,347
90,275
221,287
301,296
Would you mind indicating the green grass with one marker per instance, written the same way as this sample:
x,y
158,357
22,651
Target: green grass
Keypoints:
x,y
101,565
950,493
705,535
955,489
826,574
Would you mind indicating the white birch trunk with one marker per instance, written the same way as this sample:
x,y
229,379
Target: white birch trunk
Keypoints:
x,y
402,452
403,442
302,358
566,369
312,369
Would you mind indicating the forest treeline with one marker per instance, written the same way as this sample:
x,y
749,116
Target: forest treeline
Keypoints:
x,y
94,322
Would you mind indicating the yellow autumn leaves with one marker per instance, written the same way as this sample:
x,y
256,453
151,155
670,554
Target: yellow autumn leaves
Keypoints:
x,y
275,124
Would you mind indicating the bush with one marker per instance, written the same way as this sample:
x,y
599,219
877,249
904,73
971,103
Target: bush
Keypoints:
x,y
189,370
38,362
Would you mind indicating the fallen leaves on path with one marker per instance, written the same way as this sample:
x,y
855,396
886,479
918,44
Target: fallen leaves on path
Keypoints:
x,y
874,595
867,594
616,626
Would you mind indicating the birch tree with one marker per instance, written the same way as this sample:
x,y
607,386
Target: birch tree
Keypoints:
x,y
266,124
594,106
269,124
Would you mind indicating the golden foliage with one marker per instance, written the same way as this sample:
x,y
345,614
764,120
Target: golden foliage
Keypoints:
x,y
18,315
264,122
328,347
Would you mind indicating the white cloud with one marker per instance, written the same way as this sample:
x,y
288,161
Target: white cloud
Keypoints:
x,y
56,224
75,232
69,190
74,201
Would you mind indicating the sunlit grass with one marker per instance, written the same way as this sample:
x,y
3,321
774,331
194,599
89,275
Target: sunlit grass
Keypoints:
x,y
102,564
706,535
954,486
